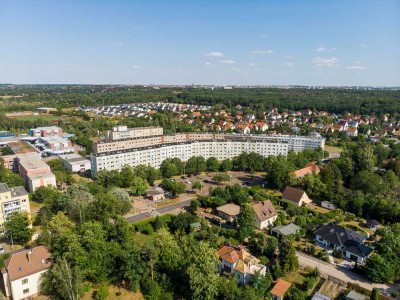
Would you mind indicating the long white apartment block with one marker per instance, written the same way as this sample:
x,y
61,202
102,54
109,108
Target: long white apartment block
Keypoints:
x,y
152,150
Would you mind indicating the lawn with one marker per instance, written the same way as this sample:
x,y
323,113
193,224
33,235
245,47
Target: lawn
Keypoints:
x,y
142,239
333,149
114,294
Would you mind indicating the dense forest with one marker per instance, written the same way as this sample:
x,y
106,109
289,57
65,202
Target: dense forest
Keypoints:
x,y
332,100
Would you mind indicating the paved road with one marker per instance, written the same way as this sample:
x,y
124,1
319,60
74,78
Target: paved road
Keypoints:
x,y
345,275
158,211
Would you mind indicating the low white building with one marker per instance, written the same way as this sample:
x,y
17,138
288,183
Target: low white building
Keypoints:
x,y
22,272
328,205
75,163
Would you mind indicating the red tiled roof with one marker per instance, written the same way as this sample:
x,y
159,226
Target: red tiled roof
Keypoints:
x,y
280,288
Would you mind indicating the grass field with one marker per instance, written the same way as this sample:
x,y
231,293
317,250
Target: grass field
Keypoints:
x,y
333,149
39,117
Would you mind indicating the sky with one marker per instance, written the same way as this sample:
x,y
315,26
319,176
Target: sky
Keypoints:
x,y
282,42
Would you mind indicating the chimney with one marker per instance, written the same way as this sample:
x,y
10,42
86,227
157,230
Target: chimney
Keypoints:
x,y
28,255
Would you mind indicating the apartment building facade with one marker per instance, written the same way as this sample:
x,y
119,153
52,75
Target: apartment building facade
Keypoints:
x,y
152,150
12,200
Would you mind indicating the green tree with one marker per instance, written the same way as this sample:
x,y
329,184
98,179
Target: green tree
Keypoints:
x,y
174,187
62,281
226,165
380,269
213,164
18,227
203,279
246,221
45,194
221,177
127,175
279,171
139,186
374,294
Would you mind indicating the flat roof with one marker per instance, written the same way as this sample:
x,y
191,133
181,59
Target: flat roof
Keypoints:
x,y
22,147
41,175
32,163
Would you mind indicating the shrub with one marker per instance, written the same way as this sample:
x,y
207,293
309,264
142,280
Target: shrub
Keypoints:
x,y
102,293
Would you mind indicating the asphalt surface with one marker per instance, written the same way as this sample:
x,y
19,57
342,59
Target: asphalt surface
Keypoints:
x,y
158,211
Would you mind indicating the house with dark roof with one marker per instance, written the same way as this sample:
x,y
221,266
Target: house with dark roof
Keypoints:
x,y
295,196
239,261
373,224
345,240
265,214
22,272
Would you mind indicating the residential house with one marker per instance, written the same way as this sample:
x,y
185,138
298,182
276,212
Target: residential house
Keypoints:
x,y
280,288
265,214
243,128
351,132
261,126
155,194
239,262
295,196
22,272
285,230
373,224
345,240
308,169
229,211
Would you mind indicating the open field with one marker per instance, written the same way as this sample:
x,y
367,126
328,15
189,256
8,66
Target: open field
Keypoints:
x,y
333,149
39,117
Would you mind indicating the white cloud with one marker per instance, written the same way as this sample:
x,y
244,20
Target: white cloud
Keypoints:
x,y
208,63
214,54
235,69
289,64
227,61
326,62
137,67
356,67
252,65
321,49
261,52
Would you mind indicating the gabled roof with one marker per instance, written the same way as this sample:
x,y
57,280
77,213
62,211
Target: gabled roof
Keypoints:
x,y
264,210
280,288
293,194
27,262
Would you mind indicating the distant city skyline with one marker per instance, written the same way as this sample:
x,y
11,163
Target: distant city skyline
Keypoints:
x,y
317,43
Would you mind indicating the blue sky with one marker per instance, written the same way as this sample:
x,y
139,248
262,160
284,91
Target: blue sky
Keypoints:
x,y
201,42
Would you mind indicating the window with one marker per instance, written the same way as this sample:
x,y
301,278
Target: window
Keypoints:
x,y
25,281
26,291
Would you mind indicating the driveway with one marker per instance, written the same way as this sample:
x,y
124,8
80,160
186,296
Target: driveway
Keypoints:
x,y
345,275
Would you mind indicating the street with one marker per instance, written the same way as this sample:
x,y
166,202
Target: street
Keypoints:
x,y
345,275
158,211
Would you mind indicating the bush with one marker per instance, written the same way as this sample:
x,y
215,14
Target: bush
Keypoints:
x,y
102,293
